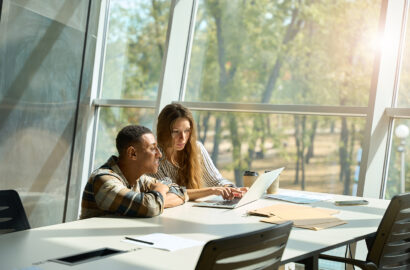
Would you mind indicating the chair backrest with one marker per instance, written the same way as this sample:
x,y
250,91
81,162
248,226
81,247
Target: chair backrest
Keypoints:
x,y
12,214
391,246
260,249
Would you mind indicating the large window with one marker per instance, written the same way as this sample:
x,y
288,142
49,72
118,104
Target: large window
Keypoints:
x,y
135,47
399,166
111,121
286,52
282,83
403,99
399,170
315,151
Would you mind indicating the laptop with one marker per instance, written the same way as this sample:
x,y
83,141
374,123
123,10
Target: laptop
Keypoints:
x,y
254,193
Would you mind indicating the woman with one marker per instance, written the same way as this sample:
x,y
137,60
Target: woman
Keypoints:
x,y
186,161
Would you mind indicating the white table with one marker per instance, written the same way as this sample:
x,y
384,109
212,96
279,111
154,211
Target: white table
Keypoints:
x,y
23,249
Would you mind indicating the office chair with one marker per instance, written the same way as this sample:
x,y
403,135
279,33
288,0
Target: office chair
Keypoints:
x,y
260,249
12,214
390,248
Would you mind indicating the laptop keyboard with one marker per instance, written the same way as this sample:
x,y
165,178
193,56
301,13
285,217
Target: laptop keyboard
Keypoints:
x,y
232,202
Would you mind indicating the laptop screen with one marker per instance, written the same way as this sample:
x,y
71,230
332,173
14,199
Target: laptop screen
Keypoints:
x,y
259,187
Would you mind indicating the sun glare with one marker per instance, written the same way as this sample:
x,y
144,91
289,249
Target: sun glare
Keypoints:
x,y
385,43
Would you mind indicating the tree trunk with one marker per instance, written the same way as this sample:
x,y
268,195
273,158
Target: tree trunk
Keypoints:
x,y
293,28
236,151
217,140
302,159
297,141
344,159
205,125
310,152
156,9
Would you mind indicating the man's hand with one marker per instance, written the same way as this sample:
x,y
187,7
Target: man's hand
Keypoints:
x,y
172,200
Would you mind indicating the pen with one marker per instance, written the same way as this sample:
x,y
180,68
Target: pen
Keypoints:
x,y
137,240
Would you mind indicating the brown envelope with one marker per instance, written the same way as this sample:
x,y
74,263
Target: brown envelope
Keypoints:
x,y
283,208
302,216
315,227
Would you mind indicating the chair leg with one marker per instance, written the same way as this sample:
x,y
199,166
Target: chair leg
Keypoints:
x,y
310,263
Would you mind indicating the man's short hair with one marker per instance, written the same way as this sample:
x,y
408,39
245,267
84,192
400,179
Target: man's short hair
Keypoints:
x,y
129,135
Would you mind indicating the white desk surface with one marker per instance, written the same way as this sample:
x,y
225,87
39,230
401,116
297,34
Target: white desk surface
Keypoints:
x,y
22,249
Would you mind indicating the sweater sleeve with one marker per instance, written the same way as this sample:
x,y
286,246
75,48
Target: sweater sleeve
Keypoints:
x,y
211,175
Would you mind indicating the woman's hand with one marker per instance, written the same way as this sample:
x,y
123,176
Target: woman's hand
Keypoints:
x,y
238,192
226,192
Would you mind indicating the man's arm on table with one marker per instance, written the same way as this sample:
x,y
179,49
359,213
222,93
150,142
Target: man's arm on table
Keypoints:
x,y
112,196
175,196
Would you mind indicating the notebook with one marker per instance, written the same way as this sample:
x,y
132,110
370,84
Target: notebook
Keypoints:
x,y
254,193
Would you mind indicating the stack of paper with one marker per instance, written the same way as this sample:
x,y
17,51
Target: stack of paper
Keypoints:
x,y
296,196
302,216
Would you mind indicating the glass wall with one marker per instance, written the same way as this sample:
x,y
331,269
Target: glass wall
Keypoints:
x,y
319,153
41,49
111,121
399,168
134,49
398,180
403,99
286,52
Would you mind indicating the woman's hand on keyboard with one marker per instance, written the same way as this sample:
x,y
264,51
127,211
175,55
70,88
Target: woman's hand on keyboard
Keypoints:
x,y
228,193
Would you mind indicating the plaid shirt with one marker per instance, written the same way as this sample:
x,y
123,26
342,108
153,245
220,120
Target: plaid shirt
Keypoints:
x,y
108,192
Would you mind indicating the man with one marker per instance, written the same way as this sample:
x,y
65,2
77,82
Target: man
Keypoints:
x,y
121,187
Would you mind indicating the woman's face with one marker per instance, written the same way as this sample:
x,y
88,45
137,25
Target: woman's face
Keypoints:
x,y
180,132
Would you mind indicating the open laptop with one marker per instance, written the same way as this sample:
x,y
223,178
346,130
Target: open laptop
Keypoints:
x,y
254,193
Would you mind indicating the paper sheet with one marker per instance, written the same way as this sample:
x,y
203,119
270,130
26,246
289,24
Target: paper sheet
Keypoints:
x,y
164,241
295,196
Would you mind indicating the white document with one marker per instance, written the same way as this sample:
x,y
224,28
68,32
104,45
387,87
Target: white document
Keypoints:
x,y
163,241
299,196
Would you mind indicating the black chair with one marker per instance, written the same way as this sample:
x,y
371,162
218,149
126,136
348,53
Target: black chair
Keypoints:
x,y
390,248
12,215
260,249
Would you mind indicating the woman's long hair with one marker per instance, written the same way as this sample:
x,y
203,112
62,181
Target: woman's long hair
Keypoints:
x,y
189,172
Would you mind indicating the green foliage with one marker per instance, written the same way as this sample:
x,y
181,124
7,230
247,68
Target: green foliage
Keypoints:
x,y
282,52
135,48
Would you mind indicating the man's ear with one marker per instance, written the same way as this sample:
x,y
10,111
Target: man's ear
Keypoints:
x,y
131,152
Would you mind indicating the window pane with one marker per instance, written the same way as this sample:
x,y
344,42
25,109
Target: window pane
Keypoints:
x,y
399,166
319,153
283,52
41,49
111,122
404,86
135,48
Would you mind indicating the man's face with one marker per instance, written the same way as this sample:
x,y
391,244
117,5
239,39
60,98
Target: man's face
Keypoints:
x,y
148,154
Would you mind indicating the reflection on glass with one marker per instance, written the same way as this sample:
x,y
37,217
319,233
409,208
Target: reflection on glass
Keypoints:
x,y
41,48
315,52
135,48
111,122
398,180
318,153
